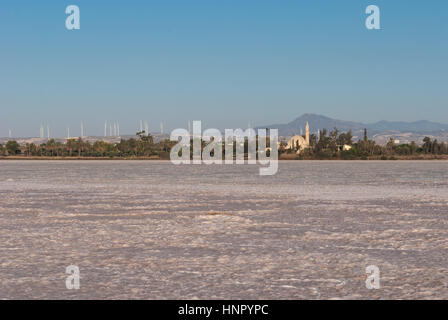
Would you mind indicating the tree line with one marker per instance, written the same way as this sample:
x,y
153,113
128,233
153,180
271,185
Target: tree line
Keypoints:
x,y
325,145
340,145
143,146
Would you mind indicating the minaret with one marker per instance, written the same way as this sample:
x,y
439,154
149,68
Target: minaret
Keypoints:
x,y
307,133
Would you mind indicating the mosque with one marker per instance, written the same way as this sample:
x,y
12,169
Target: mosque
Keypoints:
x,y
298,142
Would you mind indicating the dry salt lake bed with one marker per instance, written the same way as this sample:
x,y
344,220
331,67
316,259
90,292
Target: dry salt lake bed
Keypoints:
x,y
152,230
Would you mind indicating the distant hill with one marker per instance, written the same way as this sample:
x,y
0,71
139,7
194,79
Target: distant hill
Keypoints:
x,y
418,126
318,122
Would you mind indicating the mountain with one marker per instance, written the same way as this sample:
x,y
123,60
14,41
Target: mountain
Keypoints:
x,y
318,122
418,126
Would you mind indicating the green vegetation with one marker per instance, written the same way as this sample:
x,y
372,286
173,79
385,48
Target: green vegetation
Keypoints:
x,y
332,145
337,145
12,148
131,148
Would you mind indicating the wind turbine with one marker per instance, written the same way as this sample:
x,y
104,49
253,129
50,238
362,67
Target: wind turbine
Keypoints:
x,y
146,128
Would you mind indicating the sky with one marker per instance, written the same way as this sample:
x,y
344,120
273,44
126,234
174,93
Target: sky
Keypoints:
x,y
223,62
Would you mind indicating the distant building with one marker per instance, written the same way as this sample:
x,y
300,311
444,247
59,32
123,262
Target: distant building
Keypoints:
x,y
298,142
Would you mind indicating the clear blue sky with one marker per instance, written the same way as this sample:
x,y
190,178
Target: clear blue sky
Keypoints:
x,y
223,62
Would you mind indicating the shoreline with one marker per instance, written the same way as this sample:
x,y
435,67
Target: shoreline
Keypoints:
x,y
24,158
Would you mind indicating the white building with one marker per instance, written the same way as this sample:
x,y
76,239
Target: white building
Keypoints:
x,y
298,142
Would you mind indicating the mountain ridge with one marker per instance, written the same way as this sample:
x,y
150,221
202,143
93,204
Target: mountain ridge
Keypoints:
x,y
319,122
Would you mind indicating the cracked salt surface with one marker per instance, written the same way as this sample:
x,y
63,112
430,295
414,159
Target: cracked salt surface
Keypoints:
x,y
152,230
